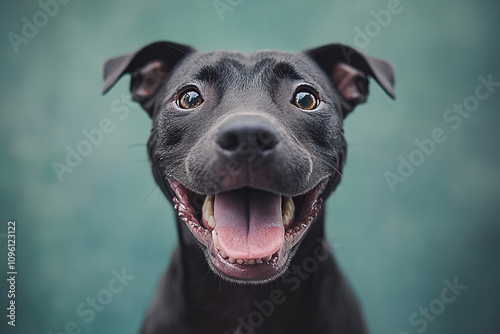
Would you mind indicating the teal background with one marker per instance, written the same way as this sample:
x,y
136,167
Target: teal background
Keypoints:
x,y
395,247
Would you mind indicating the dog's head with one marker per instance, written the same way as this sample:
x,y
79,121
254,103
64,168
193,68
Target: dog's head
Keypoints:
x,y
248,146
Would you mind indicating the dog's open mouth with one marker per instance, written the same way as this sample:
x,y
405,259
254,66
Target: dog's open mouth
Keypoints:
x,y
248,235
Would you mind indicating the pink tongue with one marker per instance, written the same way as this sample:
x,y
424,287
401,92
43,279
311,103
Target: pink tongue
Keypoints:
x,y
249,223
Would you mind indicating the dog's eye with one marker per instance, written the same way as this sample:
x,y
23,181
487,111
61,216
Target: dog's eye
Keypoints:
x,y
190,99
305,100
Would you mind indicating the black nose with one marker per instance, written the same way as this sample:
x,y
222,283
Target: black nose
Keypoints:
x,y
252,134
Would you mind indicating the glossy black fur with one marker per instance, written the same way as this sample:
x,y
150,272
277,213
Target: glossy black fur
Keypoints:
x,y
310,147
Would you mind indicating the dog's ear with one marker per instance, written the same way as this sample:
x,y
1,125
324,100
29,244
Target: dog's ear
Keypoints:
x,y
349,69
148,66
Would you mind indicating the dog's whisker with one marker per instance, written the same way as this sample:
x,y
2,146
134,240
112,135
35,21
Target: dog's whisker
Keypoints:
x,y
338,172
155,187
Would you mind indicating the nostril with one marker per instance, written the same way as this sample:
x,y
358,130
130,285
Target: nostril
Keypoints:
x,y
228,141
266,140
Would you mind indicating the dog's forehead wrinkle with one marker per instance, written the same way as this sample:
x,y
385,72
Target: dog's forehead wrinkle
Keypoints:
x,y
239,68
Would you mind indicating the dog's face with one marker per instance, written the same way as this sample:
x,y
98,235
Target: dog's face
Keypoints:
x,y
248,146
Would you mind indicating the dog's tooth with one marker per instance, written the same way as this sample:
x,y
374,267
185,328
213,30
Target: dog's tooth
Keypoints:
x,y
259,261
215,239
290,206
208,211
286,220
288,209
231,260
240,261
208,206
211,222
251,261
222,254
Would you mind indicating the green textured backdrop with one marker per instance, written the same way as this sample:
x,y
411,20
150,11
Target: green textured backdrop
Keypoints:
x,y
396,247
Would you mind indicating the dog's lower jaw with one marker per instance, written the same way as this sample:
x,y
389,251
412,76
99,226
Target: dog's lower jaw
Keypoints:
x,y
320,297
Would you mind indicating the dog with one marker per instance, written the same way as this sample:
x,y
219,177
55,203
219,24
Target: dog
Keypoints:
x,y
247,148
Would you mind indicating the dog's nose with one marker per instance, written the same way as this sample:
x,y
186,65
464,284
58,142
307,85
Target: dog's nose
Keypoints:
x,y
246,134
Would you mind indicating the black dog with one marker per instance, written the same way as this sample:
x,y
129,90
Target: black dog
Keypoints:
x,y
247,147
